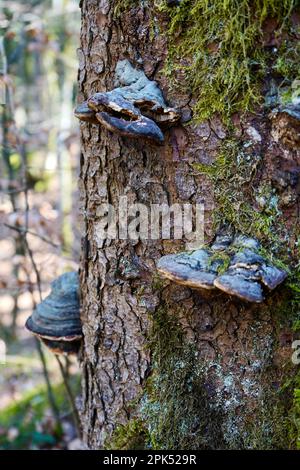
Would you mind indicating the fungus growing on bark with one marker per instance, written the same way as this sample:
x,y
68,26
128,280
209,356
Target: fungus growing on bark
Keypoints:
x,y
192,269
221,242
56,320
244,274
84,113
242,284
133,109
119,115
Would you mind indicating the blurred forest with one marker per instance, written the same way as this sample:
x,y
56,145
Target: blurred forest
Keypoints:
x,y
39,235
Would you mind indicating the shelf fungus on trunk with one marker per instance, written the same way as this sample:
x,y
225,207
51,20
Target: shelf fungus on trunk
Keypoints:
x,y
56,320
191,269
135,108
235,268
84,113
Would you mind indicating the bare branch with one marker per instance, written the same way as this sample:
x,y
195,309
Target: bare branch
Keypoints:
x,y
25,231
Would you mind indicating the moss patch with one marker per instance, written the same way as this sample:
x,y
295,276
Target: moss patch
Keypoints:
x,y
221,50
295,415
219,46
232,175
120,6
132,436
294,411
176,405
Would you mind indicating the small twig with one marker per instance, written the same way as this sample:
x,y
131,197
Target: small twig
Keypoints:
x,y
36,271
23,230
50,394
70,396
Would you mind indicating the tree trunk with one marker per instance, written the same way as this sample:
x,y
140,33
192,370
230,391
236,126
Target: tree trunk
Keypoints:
x,y
162,363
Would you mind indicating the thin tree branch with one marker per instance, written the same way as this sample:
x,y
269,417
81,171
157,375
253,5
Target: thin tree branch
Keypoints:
x,y
70,396
23,230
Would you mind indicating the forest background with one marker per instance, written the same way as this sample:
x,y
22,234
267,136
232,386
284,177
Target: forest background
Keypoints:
x,y
39,236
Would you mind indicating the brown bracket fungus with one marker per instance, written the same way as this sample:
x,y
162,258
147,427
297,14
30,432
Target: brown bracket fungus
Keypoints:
x,y
244,273
242,284
190,269
84,113
135,109
56,320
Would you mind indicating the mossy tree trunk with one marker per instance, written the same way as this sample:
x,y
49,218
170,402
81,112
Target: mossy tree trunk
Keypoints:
x,y
161,362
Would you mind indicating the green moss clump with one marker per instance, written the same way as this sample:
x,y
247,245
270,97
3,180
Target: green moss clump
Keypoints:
x,y
120,6
182,411
294,412
272,433
293,285
132,436
219,47
223,258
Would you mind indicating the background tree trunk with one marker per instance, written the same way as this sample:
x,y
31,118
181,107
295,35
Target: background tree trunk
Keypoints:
x,y
199,371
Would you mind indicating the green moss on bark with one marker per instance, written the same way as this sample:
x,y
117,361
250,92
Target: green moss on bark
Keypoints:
x,y
182,409
232,175
175,405
295,416
132,436
220,47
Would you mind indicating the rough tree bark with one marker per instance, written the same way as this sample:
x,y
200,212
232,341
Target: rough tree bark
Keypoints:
x,y
236,348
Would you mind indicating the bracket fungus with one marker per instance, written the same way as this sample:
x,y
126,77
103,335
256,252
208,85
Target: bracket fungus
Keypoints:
x,y
84,113
135,108
235,268
190,269
56,320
